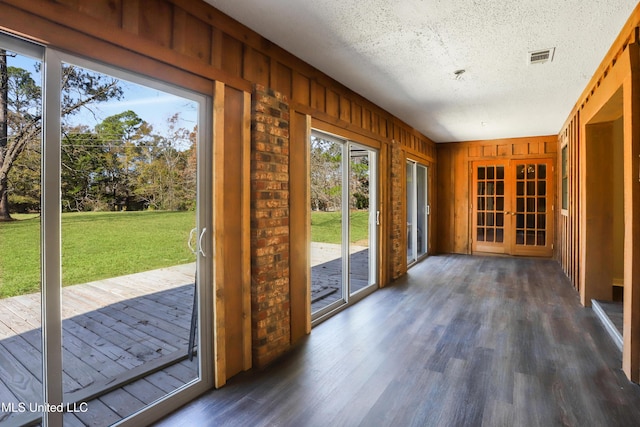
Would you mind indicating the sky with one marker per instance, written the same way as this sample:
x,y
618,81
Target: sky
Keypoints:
x,y
152,105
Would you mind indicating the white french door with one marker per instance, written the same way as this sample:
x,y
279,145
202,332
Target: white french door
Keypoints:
x,y
344,221
117,349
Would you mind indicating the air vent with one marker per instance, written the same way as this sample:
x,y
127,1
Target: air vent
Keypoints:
x,y
541,56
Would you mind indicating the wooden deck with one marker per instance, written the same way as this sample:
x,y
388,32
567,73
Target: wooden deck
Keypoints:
x,y
458,341
326,273
125,343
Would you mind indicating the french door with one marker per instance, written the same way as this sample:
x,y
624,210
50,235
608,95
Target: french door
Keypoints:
x,y
103,307
344,220
417,211
512,207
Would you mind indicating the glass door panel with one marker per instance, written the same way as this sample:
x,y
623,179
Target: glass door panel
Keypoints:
x,y
362,218
327,233
417,211
343,222
21,361
532,209
129,185
489,220
422,211
411,213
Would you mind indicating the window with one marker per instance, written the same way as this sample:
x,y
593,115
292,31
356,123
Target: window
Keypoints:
x,y
565,177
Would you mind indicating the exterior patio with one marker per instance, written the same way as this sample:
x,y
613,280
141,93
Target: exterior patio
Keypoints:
x,y
125,343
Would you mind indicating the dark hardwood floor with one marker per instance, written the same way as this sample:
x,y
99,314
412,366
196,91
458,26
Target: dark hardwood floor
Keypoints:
x,y
459,341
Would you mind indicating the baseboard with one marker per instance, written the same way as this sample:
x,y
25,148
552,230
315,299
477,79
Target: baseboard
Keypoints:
x,y
608,324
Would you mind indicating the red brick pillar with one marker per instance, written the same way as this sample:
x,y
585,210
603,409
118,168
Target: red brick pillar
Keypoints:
x,y
396,238
270,311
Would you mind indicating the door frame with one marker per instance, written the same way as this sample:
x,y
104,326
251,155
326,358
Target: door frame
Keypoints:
x,y
509,245
50,246
347,296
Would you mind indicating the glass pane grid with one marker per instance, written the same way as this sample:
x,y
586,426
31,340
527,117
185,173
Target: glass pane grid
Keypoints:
x,y
531,206
490,204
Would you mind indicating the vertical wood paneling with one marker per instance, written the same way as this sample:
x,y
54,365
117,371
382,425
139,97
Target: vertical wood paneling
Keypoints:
x,y
155,21
109,11
301,89
256,67
232,55
454,181
283,80
356,114
192,37
332,106
219,312
318,96
233,224
300,226
345,109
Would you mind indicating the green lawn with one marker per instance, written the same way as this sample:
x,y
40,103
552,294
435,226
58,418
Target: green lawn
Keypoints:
x,y
108,244
326,227
94,246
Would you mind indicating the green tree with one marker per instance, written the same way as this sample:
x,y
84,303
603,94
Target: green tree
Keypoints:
x,y
166,179
121,135
21,116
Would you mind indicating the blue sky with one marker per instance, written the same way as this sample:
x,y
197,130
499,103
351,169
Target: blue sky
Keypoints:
x,y
152,105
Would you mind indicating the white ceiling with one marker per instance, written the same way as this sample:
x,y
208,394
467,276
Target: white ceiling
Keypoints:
x,y
402,55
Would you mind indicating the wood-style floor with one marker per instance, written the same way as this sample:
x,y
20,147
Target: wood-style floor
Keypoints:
x,y
460,341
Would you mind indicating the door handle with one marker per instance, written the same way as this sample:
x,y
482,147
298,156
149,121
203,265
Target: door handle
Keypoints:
x,y
377,217
191,234
204,230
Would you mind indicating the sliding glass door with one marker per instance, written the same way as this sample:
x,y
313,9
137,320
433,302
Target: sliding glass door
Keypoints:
x,y
417,211
109,212
343,222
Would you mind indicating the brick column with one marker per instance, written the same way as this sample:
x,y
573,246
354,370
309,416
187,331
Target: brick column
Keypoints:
x,y
270,311
396,238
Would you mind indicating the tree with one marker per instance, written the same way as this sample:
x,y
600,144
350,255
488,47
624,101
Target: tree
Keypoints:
x,y
326,174
166,176
21,111
4,77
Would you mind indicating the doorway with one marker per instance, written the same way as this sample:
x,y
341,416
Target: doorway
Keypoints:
x,y
104,311
512,207
417,211
344,221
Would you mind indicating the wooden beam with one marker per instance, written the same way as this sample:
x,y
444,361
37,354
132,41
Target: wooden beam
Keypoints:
x,y
631,330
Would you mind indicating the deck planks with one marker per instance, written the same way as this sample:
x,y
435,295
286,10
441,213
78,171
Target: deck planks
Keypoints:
x,y
111,330
460,340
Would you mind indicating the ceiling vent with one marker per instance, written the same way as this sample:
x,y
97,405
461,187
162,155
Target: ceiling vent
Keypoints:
x,y
541,56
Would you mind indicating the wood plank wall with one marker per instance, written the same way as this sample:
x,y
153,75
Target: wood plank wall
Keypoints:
x,y
192,45
612,94
454,179
568,237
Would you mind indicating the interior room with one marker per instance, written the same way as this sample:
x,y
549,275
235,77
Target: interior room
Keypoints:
x,y
319,212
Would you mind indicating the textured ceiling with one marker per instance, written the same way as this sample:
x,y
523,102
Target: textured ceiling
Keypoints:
x,y
402,55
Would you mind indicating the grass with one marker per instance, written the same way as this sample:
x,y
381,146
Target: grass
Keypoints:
x,y
326,227
99,245
94,246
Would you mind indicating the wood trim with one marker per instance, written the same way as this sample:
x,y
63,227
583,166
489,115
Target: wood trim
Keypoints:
x,y
300,226
55,25
219,350
346,133
631,312
246,233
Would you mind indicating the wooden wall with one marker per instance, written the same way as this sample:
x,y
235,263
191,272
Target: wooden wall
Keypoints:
x,y
587,238
453,182
190,44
